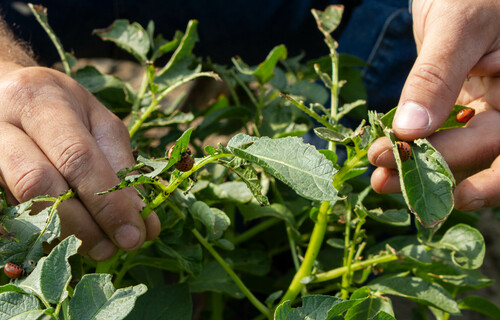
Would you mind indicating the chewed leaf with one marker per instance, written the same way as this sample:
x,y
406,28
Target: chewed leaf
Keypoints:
x,y
249,175
466,244
96,298
329,19
264,72
130,37
416,289
53,273
426,182
289,159
30,232
320,307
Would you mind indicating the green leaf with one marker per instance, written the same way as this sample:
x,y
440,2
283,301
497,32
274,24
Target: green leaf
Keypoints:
x,y
214,278
172,302
53,273
30,232
130,37
248,174
383,316
253,261
96,298
393,217
214,220
251,211
189,257
417,290
18,306
264,72
329,19
232,190
370,306
174,118
480,305
180,146
180,64
466,244
309,91
317,307
451,121
426,182
94,81
289,159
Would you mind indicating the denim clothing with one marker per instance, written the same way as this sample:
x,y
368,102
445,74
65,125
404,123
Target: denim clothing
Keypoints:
x,y
377,31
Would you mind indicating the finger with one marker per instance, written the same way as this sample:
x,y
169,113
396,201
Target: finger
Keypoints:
x,y
74,152
472,148
466,150
380,153
112,137
480,190
27,173
385,180
488,65
449,50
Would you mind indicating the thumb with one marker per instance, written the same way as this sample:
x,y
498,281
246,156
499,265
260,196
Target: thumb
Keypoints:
x,y
449,49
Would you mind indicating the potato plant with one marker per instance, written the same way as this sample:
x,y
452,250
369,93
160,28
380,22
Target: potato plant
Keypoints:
x,y
265,226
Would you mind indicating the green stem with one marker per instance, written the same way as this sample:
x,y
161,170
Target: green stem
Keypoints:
x,y
347,249
348,166
334,91
250,233
313,248
293,249
309,112
246,89
138,98
154,103
125,267
217,306
105,266
338,272
42,19
259,305
351,245
160,198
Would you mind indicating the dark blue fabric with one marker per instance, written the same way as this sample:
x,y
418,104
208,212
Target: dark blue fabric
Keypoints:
x,y
377,31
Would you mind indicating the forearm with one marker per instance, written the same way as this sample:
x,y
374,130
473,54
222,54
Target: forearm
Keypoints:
x,y
13,53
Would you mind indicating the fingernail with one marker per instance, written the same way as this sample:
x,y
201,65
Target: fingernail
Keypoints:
x,y
411,116
102,251
475,204
127,236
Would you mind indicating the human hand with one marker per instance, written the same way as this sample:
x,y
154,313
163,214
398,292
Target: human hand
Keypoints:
x,y
457,40
57,136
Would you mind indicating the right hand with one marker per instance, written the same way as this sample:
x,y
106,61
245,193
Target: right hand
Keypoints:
x,y
57,136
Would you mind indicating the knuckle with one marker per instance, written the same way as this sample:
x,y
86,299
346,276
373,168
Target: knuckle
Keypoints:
x,y
105,213
26,86
429,76
32,183
73,161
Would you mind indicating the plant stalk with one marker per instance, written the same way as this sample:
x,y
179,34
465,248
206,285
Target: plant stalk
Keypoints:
x,y
259,305
338,272
313,248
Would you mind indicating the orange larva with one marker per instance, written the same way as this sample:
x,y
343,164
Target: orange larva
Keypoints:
x,y
186,162
465,115
404,150
13,271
